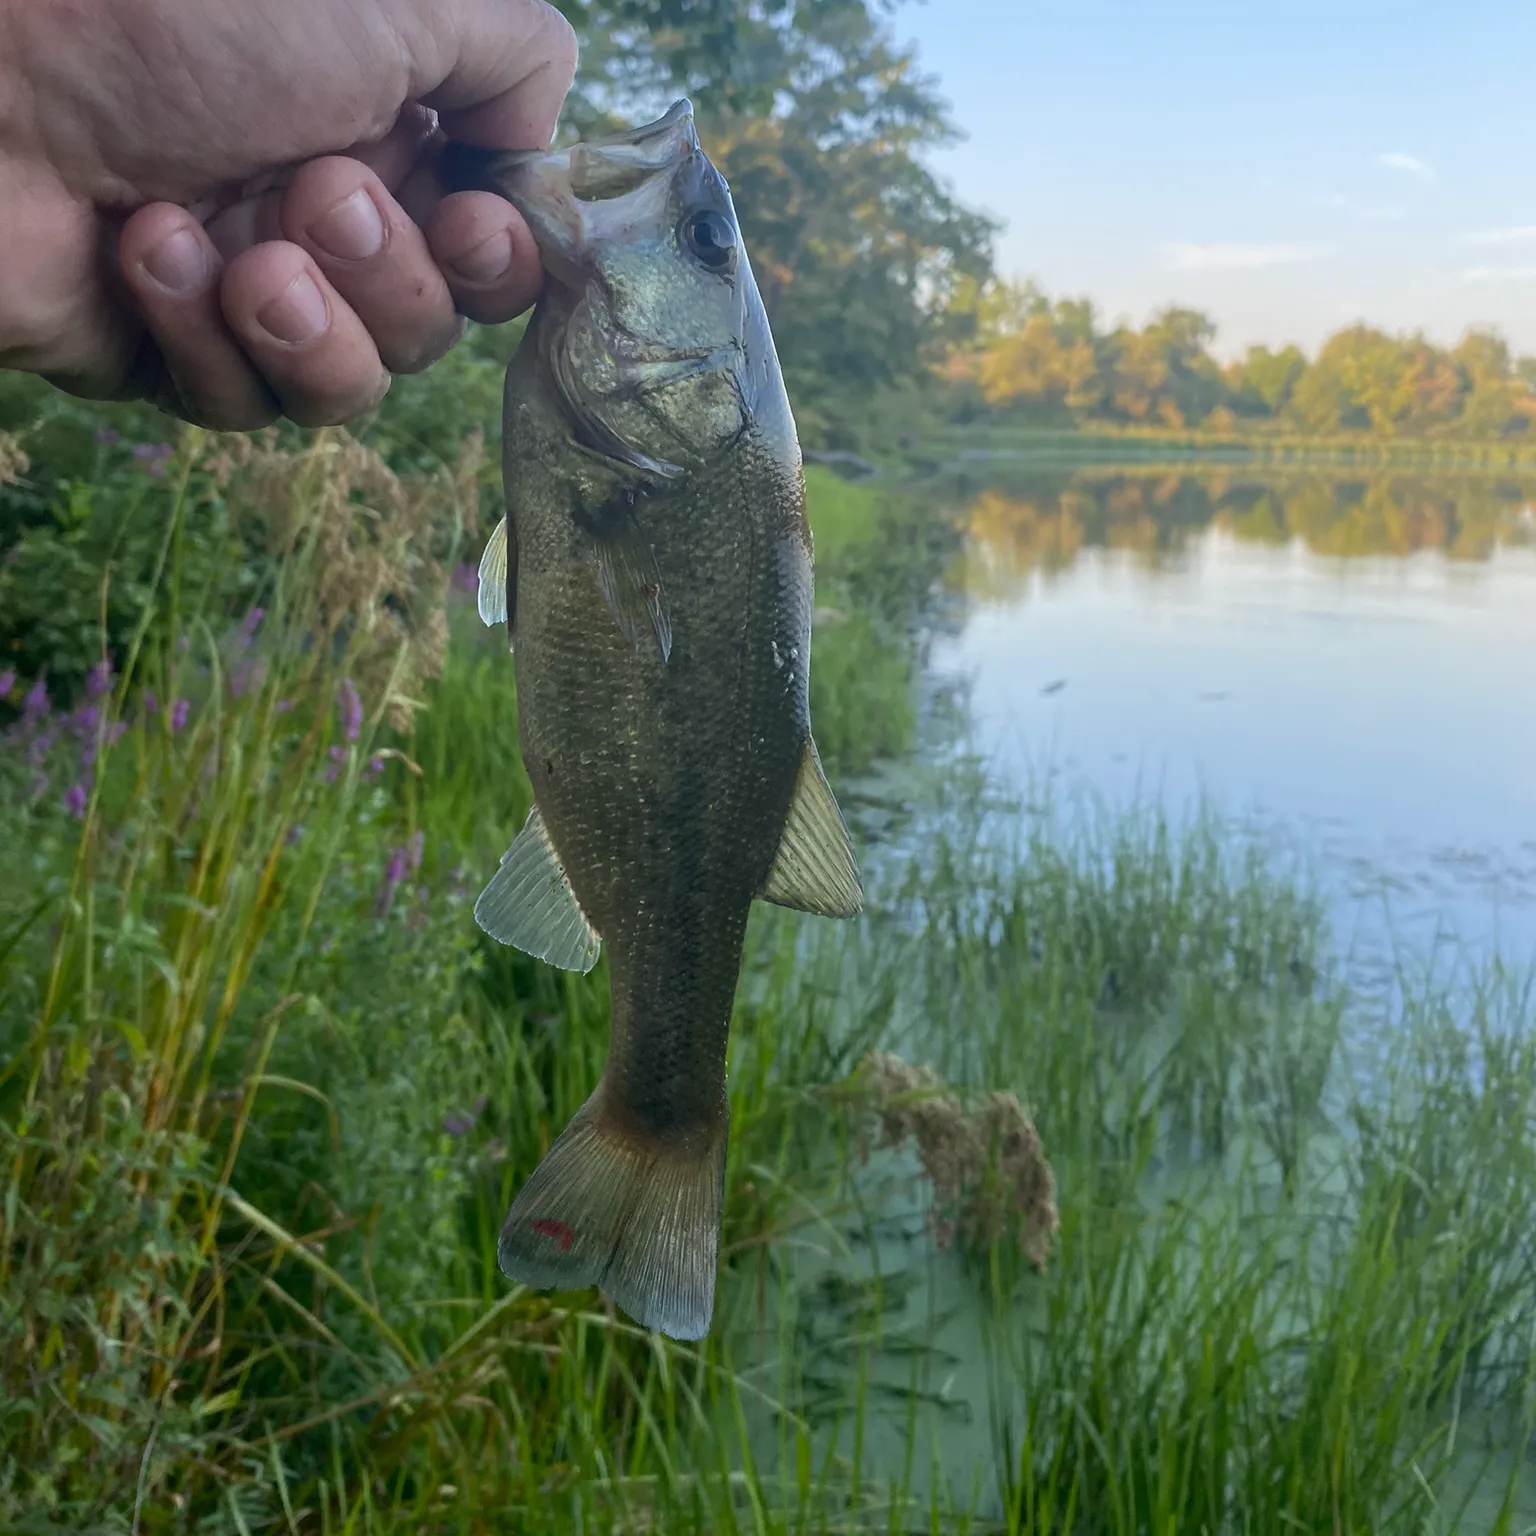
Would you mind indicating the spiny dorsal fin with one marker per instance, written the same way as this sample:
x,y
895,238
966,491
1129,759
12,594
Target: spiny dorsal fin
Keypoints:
x,y
530,905
814,870
496,570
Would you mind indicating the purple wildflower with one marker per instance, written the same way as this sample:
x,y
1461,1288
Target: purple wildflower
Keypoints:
x,y
375,766
458,1125
74,801
252,622
414,850
284,705
351,710
151,703
42,745
36,705
84,721
106,437
394,873
179,712
7,682
153,456
98,679
338,756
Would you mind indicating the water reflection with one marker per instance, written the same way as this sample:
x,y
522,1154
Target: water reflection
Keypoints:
x,y
1344,656
1042,521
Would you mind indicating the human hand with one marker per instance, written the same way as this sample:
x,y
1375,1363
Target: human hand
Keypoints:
x,y
232,209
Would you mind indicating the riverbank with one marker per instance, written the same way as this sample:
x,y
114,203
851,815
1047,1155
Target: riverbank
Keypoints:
x,y
267,1094
999,443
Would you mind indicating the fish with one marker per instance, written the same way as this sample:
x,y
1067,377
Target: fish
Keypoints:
x,y
654,573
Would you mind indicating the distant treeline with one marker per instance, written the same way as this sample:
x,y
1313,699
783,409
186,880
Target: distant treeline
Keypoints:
x,y
1040,361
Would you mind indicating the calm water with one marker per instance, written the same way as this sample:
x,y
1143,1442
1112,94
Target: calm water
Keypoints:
x,y
1352,661
1349,663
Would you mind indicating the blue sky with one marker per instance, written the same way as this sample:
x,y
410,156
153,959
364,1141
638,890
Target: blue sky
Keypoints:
x,y
1288,166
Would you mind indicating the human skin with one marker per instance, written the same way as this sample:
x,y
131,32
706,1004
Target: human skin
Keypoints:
x,y
232,209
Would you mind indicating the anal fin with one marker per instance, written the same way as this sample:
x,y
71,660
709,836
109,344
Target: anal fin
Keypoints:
x,y
815,870
530,905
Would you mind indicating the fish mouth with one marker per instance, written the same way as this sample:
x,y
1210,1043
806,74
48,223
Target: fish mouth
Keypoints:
x,y
600,188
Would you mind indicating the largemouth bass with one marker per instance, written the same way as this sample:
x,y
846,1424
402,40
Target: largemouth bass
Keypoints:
x,y
654,573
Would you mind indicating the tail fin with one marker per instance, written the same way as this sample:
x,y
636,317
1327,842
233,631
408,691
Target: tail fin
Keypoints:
x,y
642,1221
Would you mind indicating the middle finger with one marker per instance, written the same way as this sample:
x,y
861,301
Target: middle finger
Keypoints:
x,y
375,257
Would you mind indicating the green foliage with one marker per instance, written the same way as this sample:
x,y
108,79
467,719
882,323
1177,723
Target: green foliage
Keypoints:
x,y
878,555
843,514
1026,357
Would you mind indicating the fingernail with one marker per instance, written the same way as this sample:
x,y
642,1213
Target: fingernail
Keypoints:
x,y
297,314
179,263
352,230
488,261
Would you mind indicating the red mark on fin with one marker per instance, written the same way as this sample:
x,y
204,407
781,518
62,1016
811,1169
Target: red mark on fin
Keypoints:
x,y
562,1234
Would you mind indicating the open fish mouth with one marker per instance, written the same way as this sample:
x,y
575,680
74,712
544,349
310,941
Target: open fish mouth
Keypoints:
x,y
602,188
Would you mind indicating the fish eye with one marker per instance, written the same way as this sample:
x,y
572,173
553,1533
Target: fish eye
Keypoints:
x,y
711,238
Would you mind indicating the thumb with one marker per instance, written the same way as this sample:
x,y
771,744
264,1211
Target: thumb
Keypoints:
x,y
502,70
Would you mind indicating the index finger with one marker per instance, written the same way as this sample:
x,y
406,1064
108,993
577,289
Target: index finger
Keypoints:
x,y
498,71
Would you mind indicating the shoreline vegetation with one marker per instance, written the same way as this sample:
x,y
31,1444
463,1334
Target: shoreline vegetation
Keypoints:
x,y
1125,446
265,1093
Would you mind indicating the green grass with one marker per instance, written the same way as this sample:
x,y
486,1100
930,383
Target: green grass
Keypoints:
x,y
263,1105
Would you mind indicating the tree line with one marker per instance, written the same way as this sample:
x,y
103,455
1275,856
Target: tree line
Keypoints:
x,y
1045,361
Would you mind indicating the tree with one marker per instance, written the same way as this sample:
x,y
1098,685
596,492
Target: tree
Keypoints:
x,y
1260,384
1492,390
819,123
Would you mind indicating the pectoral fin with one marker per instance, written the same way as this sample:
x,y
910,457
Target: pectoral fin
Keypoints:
x,y
629,579
530,905
498,577
814,870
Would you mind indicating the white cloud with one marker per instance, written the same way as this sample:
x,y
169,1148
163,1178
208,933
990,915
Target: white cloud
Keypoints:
x,y
1187,257
1499,275
1515,234
1409,164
